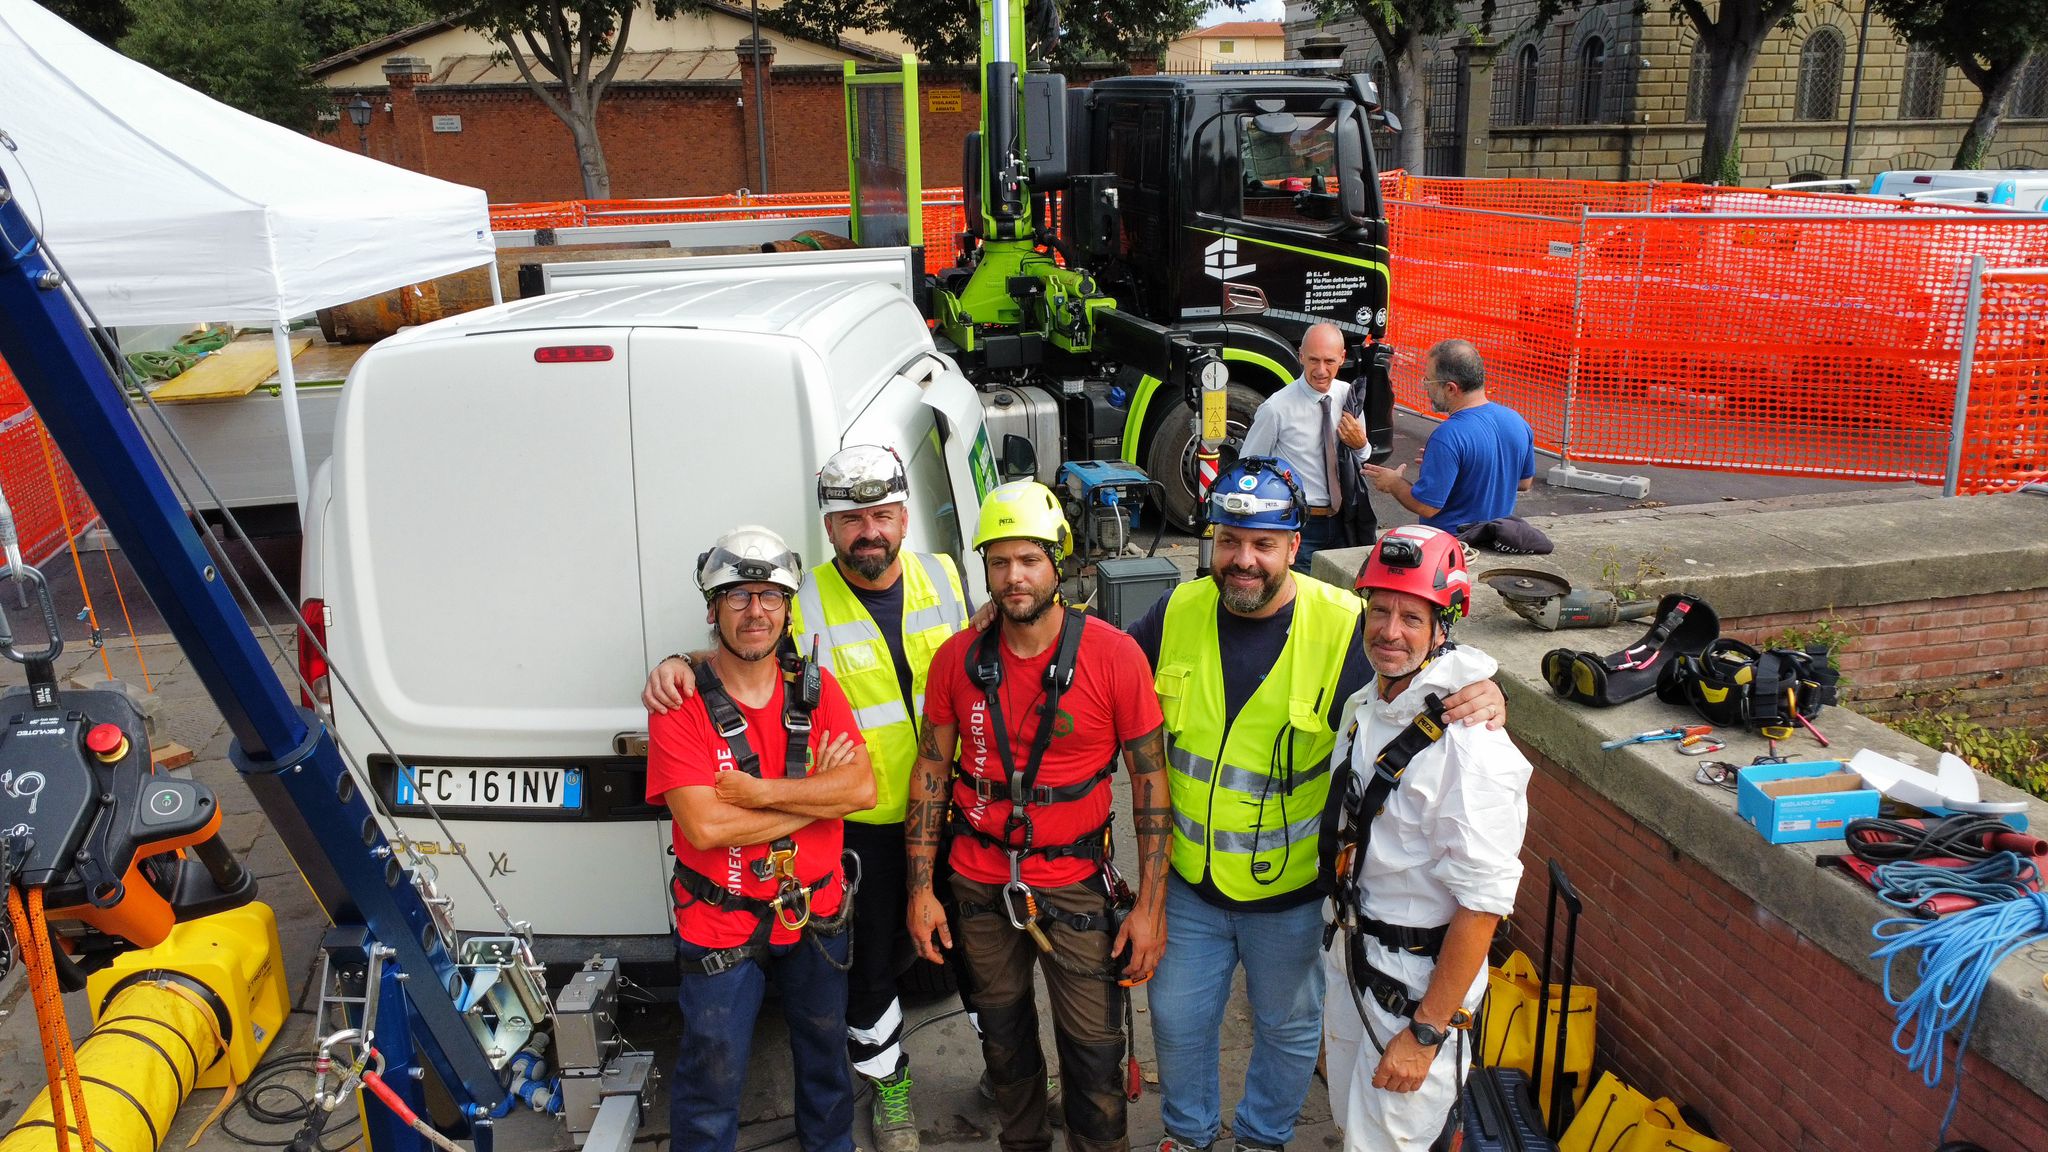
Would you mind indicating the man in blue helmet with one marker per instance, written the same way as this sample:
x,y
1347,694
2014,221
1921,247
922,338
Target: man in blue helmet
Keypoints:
x,y
1251,668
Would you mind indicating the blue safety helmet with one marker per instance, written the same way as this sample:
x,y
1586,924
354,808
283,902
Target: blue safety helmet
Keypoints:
x,y
1258,492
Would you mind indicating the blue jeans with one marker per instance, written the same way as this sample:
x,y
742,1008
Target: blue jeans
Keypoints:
x,y
1317,533
1283,975
718,1036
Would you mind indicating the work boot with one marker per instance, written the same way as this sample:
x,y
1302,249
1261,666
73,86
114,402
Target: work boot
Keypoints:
x,y
1053,1099
895,1123
1242,1146
1174,1143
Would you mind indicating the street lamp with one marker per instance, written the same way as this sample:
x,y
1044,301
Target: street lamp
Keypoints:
x,y
359,115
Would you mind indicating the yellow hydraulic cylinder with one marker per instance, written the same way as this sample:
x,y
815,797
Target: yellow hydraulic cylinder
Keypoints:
x,y
162,1015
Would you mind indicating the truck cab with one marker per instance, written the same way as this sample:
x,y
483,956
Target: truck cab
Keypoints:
x,y
505,538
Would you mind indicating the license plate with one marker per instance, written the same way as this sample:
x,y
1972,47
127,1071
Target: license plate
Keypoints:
x,y
527,788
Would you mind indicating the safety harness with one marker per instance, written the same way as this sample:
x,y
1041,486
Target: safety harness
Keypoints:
x,y
1346,833
791,905
1020,787
1732,685
1684,626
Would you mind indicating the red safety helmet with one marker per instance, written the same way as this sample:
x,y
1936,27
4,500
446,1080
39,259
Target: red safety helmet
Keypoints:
x,y
1421,561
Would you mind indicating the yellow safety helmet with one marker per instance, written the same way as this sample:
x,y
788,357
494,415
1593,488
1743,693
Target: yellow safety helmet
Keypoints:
x,y
1024,510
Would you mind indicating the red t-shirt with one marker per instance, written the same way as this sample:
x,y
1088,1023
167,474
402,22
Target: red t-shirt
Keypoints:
x,y
684,749
1110,702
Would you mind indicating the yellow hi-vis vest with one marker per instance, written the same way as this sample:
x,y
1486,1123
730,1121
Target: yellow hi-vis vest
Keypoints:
x,y
852,647
1248,791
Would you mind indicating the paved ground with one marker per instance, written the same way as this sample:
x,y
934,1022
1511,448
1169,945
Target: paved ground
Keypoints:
x,y
943,1051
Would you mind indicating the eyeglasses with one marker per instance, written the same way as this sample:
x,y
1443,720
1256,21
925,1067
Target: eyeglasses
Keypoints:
x,y
770,599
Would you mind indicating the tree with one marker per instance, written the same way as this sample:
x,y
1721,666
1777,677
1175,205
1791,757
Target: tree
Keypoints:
x,y
946,32
567,52
104,20
1403,30
338,25
1991,41
250,54
1733,38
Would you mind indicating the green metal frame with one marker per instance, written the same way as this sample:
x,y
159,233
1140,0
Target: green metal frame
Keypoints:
x,y
1134,421
913,145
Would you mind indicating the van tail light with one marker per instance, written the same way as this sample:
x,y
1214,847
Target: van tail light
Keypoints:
x,y
312,665
572,354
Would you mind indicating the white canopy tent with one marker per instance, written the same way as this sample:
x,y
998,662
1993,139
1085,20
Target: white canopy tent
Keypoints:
x,y
166,206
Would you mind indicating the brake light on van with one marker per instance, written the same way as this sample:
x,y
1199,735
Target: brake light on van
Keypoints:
x,y
572,354
312,665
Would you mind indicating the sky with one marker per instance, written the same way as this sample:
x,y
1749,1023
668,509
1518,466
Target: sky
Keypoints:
x,y
1256,10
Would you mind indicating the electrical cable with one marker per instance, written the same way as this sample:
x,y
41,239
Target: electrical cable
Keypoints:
x,y
1962,837
1911,886
1958,955
260,1100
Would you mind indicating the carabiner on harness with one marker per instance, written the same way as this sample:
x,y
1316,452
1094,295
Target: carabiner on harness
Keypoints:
x,y
1017,890
792,903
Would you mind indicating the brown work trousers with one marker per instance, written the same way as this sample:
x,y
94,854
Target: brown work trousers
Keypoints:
x,y
1087,1017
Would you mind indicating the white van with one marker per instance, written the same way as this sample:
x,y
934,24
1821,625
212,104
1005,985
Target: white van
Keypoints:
x,y
2024,190
504,541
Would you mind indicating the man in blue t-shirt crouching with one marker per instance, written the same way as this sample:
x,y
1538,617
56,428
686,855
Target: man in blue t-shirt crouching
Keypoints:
x,y
1476,461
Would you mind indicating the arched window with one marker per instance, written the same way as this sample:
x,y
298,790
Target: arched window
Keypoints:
x,y
1525,85
1920,98
1820,75
1592,65
1696,84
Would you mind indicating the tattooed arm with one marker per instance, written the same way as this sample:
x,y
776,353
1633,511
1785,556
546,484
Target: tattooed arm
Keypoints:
x,y
922,825
1152,814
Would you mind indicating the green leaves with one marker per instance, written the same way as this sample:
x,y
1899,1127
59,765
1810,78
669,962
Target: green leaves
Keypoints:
x,y
250,54
944,32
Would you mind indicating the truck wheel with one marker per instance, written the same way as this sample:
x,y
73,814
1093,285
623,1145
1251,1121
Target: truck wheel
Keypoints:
x,y
1171,459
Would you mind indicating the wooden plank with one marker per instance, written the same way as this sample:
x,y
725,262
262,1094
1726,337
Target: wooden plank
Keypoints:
x,y
170,755
233,371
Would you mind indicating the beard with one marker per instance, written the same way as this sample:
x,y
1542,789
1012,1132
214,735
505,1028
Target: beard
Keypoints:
x,y
745,650
1244,601
875,560
1031,613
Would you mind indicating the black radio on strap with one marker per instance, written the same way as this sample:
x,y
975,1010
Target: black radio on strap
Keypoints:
x,y
985,669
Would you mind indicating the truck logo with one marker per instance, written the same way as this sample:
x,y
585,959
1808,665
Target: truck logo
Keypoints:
x,y
1220,259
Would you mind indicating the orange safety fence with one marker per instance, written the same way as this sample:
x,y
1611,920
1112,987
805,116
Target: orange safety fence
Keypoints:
x,y
27,478
2005,435
943,215
1733,329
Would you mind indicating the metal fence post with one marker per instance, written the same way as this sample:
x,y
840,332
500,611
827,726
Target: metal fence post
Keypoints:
x,y
1571,376
1972,304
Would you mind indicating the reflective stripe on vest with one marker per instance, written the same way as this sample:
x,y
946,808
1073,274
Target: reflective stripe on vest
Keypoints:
x,y
1249,823
852,646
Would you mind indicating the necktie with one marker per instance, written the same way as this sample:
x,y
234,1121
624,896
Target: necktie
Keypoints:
x,y
1330,478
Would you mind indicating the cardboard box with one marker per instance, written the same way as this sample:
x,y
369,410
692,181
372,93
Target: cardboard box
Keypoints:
x,y
1795,803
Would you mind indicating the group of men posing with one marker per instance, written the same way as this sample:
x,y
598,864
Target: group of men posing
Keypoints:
x,y
948,781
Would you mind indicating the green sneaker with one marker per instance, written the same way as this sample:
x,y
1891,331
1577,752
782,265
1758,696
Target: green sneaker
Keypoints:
x,y
895,1123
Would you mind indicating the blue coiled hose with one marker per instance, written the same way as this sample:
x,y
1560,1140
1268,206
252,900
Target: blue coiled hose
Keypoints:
x,y
1958,954
1909,885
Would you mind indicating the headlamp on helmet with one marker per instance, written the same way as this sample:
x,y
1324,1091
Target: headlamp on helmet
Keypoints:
x,y
1420,561
749,554
862,476
1258,492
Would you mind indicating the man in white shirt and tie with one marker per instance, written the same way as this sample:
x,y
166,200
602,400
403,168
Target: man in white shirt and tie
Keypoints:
x,y
1305,423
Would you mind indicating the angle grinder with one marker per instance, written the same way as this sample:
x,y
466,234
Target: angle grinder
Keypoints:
x,y
1546,600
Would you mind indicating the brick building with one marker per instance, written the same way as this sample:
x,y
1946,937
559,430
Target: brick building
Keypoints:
x,y
678,121
1613,91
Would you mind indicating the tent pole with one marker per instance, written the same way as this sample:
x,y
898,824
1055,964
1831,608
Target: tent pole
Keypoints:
x,y
294,436
497,289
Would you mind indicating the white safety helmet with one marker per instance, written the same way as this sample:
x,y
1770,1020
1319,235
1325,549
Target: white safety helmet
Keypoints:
x,y
746,555
862,476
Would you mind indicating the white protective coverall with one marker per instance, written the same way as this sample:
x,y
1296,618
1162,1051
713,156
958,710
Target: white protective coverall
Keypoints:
x,y
1450,836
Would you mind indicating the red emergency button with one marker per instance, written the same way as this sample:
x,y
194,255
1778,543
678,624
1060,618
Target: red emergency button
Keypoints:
x,y
107,742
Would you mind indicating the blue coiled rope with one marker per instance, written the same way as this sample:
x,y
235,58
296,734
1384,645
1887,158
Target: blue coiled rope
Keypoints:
x,y
1909,885
1958,953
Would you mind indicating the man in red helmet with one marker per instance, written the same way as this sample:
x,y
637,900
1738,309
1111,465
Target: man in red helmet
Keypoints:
x,y
1419,887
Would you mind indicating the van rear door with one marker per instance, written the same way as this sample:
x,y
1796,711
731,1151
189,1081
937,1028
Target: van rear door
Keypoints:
x,y
490,550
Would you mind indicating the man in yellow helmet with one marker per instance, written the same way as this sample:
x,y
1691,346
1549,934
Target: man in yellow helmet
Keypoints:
x,y
1252,666
878,615
1023,725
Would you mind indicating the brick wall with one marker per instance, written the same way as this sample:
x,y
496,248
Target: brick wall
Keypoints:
x,y
694,139
1709,999
1986,655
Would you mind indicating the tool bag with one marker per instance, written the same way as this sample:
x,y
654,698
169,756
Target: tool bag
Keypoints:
x,y
1519,1107
1732,685
1515,993
1617,1118
1684,625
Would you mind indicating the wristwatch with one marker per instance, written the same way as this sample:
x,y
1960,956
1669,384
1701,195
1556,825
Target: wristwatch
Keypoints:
x,y
1430,1037
1426,1036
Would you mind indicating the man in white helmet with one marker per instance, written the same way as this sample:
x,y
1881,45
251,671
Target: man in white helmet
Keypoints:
x,y
758,767
878,616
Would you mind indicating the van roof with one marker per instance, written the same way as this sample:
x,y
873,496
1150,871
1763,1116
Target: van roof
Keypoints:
x,y
762,305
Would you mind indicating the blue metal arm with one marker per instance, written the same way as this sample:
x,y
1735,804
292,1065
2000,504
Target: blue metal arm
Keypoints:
x,y
292,765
